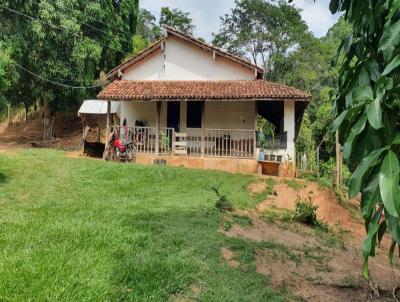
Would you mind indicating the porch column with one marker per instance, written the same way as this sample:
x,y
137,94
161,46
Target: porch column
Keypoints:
x,y
203,115
289,126
158,127
107,127
99,132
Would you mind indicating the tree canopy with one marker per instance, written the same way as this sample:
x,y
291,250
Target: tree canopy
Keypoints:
x,y
177,19
69,42
266,31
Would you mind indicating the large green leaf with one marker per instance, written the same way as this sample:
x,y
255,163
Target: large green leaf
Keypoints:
x,y
392,65
382,230
371,236
374,113
391,251
363,78
357,177
338,121
389,183
334,6
369,199
396,140
390,39
356,130
393,226
363,93
373,69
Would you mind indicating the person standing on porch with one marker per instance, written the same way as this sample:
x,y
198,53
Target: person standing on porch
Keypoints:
x,y
125,131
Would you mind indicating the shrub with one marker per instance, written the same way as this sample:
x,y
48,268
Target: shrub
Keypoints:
x,y
305,212
222,202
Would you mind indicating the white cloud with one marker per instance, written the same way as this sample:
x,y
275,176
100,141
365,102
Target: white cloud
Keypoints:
x,y
206,13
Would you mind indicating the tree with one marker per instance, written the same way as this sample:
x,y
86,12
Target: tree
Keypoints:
x,y
8,74
177,19
69,42
266,31
147,27
367,110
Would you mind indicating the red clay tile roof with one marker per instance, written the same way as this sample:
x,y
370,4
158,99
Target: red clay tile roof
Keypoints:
x,y
200,90
158,46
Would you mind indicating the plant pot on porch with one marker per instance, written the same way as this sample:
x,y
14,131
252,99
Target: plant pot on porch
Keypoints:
x,y
272,157
261,155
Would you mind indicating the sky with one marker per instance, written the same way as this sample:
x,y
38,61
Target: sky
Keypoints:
x,y
206,13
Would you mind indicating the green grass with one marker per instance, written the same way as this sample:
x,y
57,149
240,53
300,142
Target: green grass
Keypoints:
x,y
269,190
87,230
294,184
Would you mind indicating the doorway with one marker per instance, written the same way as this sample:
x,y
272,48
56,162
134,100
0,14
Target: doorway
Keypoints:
x,y
173,115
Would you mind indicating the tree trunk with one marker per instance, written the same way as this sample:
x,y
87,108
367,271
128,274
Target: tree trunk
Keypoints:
x,y
26,113
48,121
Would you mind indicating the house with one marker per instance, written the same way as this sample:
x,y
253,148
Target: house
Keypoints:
x,y
195,105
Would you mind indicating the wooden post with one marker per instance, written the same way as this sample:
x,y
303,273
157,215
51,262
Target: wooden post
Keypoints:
x,y
158,128
108,124
203,114
337,182
99,131
108,119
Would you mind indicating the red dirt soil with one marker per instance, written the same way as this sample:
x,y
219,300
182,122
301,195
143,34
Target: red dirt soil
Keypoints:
x,y
322,272
67,133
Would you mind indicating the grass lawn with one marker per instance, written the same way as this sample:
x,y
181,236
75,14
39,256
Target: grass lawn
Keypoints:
x,y
86,230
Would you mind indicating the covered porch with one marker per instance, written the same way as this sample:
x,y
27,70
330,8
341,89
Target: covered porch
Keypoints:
x,y
187,120
205,128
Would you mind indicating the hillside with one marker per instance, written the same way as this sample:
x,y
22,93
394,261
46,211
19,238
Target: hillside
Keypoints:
x,y
67,133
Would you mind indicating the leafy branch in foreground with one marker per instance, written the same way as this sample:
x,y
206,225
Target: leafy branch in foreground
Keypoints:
x,y
367,110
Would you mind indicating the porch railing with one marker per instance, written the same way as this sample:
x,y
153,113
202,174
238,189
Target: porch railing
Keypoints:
x,y
145,138
221,142
193,142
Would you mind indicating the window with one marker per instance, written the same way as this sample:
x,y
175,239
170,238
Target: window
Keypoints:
x,y
194,113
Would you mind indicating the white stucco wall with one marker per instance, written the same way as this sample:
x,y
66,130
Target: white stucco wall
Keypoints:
x,y
218,115
143,111
182,61
230,115
150,68
289,126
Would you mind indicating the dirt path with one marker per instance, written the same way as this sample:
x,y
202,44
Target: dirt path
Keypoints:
x,y
67,132
313,265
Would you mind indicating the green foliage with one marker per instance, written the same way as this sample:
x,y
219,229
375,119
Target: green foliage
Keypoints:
x,y
266,130
294,184
147,27
305,142
264,30
243,221
70,43
177,19
305,212
367,111
222,202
